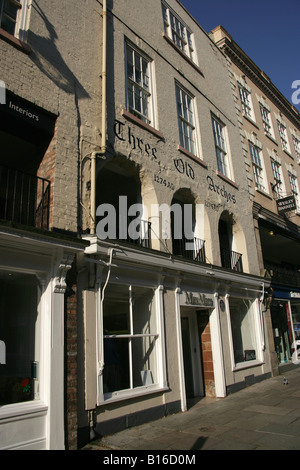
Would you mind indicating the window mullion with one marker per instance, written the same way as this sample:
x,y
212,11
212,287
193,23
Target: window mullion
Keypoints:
x,y
130,339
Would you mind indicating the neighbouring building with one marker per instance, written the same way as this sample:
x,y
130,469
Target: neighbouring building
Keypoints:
x,y
270,134
45,92
171,300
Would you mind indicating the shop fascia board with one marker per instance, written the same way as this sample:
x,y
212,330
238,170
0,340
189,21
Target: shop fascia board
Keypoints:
x,y
37,241
166,263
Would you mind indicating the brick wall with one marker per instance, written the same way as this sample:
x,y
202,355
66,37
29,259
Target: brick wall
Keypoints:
x,y
207,359
71,362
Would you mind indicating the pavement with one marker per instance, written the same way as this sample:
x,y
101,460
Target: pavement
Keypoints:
x,y
264,416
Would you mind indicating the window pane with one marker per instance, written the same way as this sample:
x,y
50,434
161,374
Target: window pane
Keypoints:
x,y
116,311
18,316
144,361
144,318
243,330
116,365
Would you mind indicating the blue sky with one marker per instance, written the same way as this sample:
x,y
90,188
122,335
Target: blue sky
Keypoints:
x,y
267,30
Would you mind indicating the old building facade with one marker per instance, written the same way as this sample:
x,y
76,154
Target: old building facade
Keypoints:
x,y
171,299
124,222
270,134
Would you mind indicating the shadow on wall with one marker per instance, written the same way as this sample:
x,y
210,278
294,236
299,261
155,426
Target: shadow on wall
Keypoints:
x,y
49,60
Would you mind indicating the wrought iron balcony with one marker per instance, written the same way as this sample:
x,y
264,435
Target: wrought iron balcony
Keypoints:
x,y
144,229
193,249
24,198
289,276
231,260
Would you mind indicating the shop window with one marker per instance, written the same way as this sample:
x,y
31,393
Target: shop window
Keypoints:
x,y
131,339
243,320
18,325
282,329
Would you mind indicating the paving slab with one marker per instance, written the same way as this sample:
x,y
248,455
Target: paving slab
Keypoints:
x,y
264,416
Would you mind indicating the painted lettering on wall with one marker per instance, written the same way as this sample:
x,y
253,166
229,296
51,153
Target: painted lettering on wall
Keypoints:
x,y
184,168
135,142
220,190
163,182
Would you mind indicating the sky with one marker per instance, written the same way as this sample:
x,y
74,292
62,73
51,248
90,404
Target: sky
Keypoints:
x,y
268,31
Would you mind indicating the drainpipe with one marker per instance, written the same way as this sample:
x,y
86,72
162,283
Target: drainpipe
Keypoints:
x,y
104,79
103,124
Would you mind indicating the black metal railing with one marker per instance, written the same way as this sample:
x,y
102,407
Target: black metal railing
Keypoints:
x,y
231,260
142,228
24,198
289,276
193,249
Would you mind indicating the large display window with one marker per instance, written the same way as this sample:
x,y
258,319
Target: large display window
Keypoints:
x,y
19,295
132,341
245,331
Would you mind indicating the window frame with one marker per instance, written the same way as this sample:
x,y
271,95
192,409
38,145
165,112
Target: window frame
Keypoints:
x,y
246,101
182,97
257,167
160,360
149,118
266,120
10,409
257,319
185,38
221,146
283,136
21,19
278,177
293,180
296,142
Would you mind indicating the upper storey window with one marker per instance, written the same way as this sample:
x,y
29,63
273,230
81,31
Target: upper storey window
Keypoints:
x,y
221,148
8,14
139,96
186,120
283,136
297,147
14,17
245,97
178,32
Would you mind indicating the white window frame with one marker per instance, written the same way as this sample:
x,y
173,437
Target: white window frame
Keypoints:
x,y
221,145
257,167
294,189
186,120
178,32
278,178
283,136
258,329
21,19
296,142
267,120
149,117
161,385
246,101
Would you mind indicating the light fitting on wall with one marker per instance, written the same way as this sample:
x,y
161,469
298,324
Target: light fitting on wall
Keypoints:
x,y
272,233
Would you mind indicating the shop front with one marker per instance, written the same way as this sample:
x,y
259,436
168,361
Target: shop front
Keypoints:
x,y
159,333
285,314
